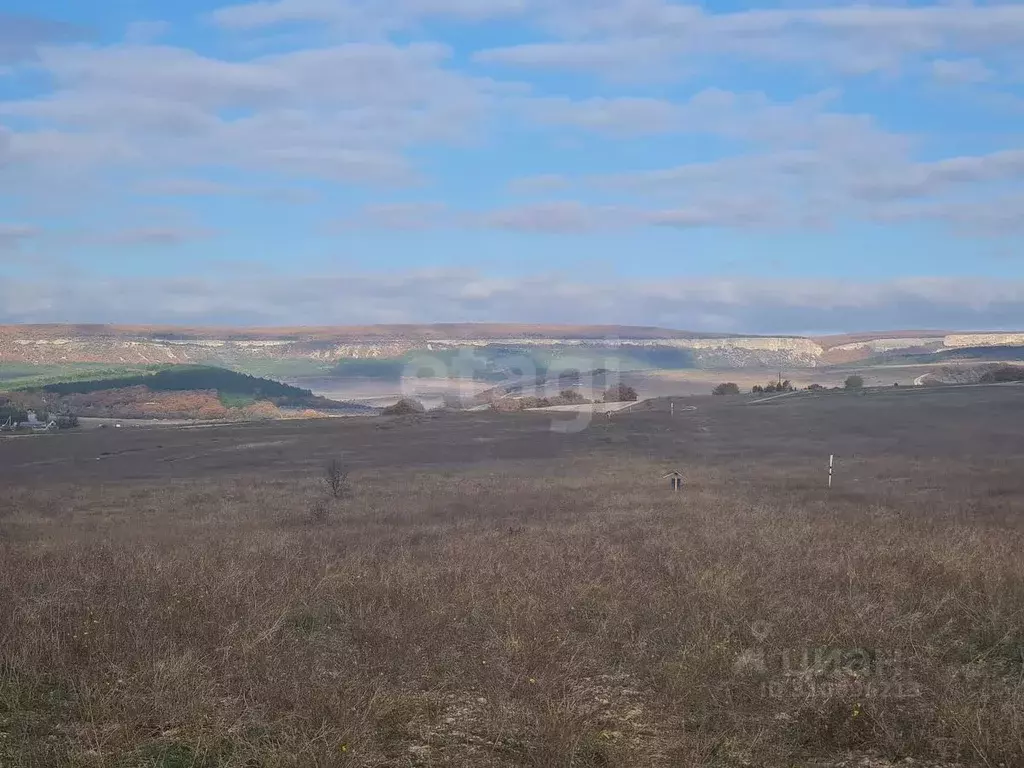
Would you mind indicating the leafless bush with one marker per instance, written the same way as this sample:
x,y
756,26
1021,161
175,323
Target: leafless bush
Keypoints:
x,y
336,479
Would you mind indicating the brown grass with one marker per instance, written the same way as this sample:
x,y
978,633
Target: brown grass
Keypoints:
x,y
574,613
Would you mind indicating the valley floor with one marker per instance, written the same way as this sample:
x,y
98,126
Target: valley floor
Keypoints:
x,y
490,591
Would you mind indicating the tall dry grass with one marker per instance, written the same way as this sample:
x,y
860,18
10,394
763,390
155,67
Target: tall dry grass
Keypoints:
x,y
578,614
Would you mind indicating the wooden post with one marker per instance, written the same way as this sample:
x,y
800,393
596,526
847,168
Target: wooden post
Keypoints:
x,y
672,407
831,462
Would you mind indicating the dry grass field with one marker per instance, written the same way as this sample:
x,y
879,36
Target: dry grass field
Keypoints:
x,y
488,592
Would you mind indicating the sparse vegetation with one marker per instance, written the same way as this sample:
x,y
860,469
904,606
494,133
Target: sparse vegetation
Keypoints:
x,y
13,412
529,402
726,388
773,386
553,606
1003,374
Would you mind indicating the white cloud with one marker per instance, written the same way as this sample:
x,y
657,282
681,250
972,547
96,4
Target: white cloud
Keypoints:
x,y
740,305
997,216
612,37
961,71
921,179
751,117
366,111
149,107
361,16
616,117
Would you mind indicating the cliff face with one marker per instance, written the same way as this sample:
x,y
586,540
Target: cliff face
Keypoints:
x,y
123,347
955,341
56,345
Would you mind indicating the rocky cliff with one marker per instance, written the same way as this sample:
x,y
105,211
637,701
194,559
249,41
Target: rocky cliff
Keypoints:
x,y
57,345
126,346
960,340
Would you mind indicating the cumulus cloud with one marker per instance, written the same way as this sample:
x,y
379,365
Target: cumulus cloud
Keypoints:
x,y
146,106
367,108
742,306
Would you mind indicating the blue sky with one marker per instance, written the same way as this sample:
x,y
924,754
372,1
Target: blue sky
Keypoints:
x,y
775,167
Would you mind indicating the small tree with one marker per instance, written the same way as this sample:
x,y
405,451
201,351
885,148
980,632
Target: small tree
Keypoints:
x,y
336,479
621,394
726,388
757,389
854,382
570,397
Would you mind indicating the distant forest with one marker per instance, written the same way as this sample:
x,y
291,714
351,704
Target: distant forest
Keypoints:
x,y
184,378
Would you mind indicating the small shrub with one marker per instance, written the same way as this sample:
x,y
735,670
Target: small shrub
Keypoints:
x,y
726,388
320,512
621,394
815,388
757,389
404,407
854,382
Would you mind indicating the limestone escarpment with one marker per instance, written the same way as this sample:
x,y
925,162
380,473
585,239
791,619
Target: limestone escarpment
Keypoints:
x,y
62,345
123,348
960,340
